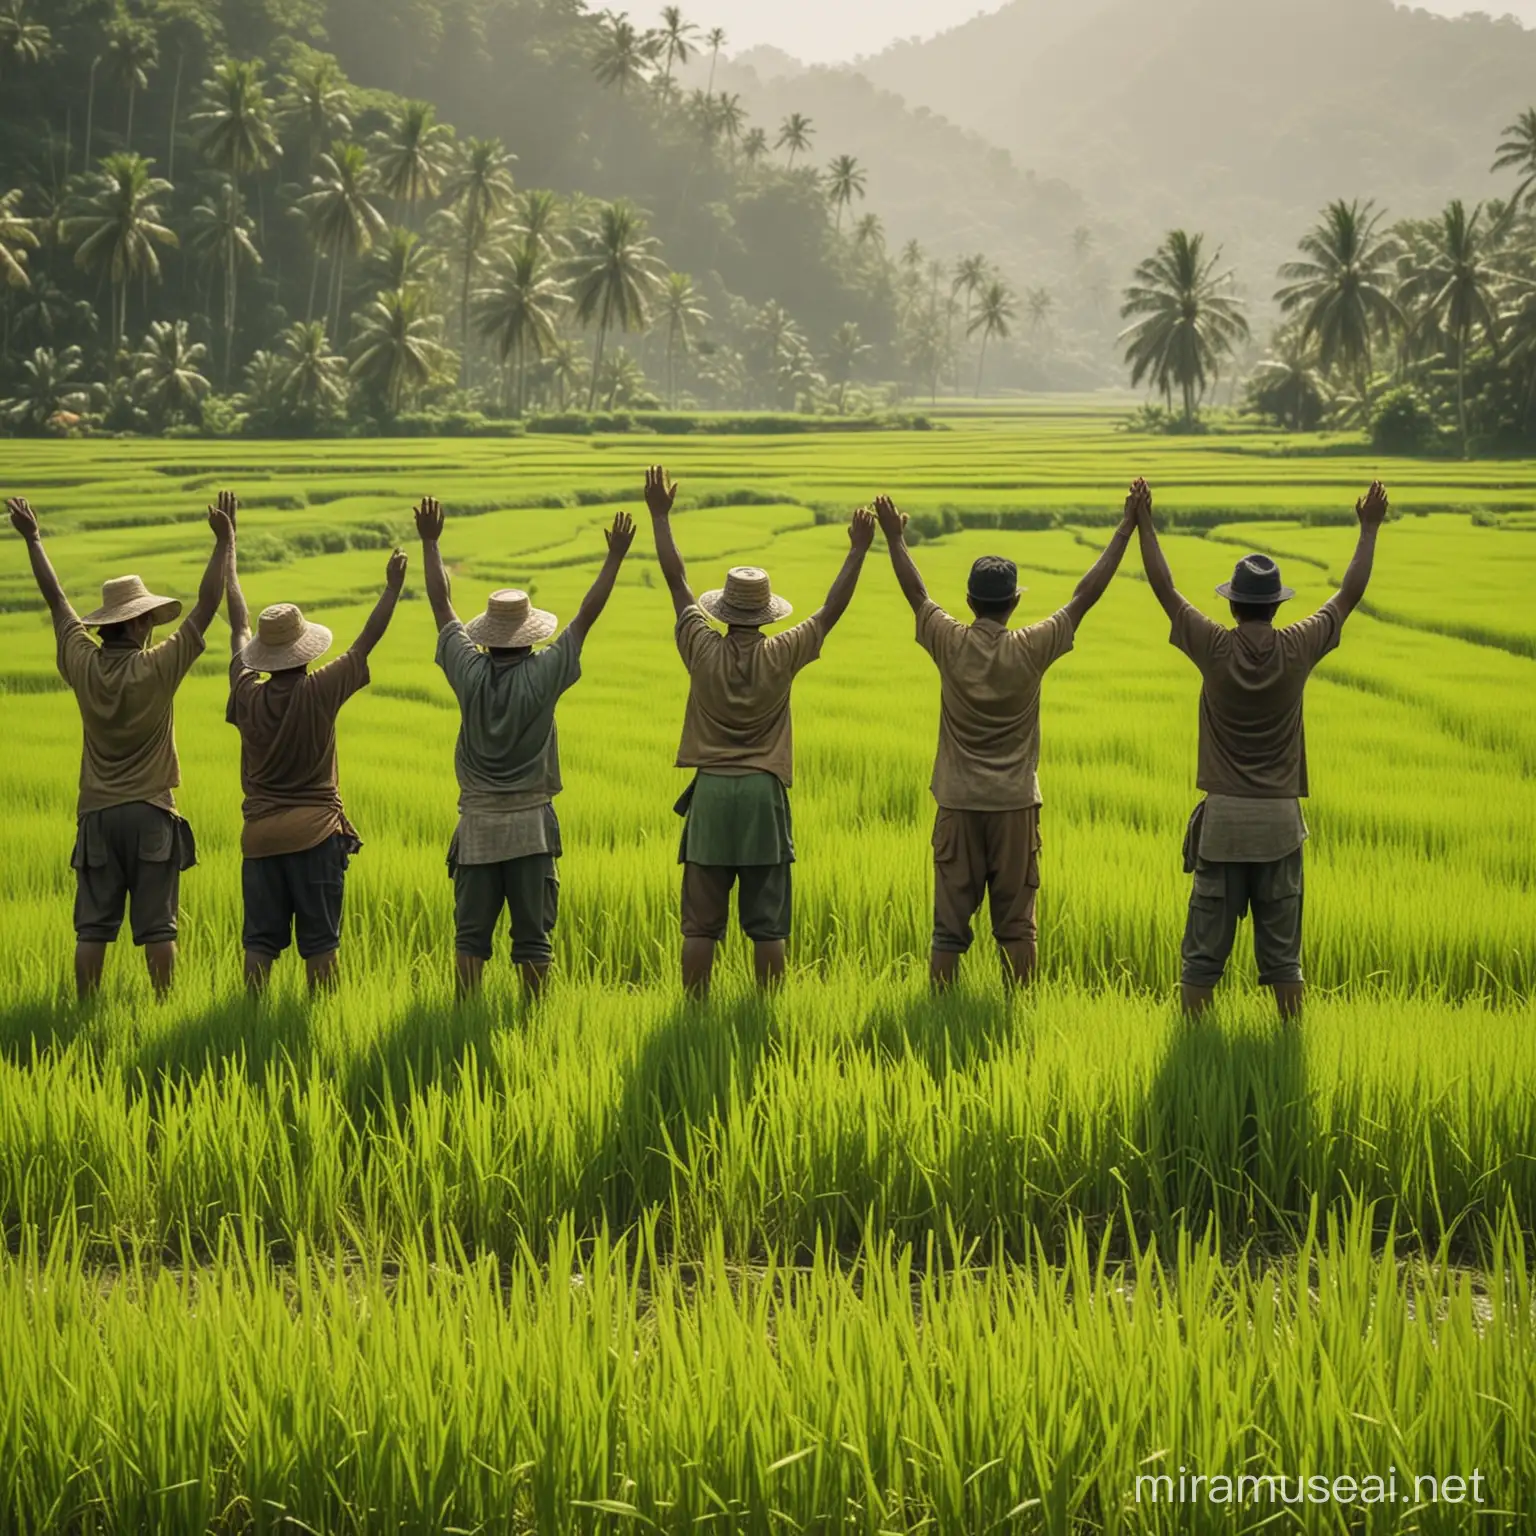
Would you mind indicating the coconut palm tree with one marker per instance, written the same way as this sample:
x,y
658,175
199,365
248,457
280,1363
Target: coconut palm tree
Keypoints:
x,y
622,380
22,40
167,372
395,348
1288,382
132,52
677,43
518,308
681,311
846,180
754,146
623,54
1039,302
1342,291
1082,244
845,352
314,378
413,156
343,222
1457,287
1517,152
614,277
117,223
47,391
538,217
994,317
402,259
869,234
17,237
795,134
479,191
1186,318
714,40
221,238
316,106
234,121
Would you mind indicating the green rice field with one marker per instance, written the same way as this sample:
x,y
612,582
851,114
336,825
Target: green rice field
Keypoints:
x,y
843,1260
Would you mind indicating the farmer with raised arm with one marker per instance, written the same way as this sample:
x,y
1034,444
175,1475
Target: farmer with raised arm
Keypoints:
x,y
986,835
1245,838
505,848
736,735
130,845
296,841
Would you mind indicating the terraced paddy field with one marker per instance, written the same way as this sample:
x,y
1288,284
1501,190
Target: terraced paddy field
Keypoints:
x,y
848,1260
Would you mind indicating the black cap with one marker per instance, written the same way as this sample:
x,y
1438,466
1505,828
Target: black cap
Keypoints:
x,y
993,580
1256,580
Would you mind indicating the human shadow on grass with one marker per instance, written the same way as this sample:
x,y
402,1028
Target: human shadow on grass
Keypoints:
x,y
948,1031
40,1027
1226,1132
426,1044
236,1034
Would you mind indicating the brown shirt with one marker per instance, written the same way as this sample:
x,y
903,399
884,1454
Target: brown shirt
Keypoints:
x,y
989,716
287,731
738,704
125,696
1252,741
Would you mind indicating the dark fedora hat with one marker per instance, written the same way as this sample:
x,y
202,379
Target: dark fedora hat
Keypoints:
x,y
993,580
1255,580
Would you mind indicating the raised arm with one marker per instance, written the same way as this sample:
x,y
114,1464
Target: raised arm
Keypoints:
x,y
1159,577
24,521
1371,509
1094,585
384,609
239,614
429,525
861,534
216,572
894,526
619,537
659,496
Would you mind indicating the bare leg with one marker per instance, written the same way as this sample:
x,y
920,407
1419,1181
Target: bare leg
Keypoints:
x,y
90,960
698,966
258,971
1018,964
768,964
323,972
468,971
1197,1000
1288,998
161,960
533,974
943,967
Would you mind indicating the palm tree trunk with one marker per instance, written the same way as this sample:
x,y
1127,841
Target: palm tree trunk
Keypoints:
x,y
1461,392
671,373
469,257
170,158
1189,403
229,317
314,283
597,358
981,362
128,131
90,113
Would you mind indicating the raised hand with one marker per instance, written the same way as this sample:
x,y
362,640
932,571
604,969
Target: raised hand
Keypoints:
x,y
429,519
659,492
227,503
621,535
23,518
394,573
1372,508
892,522
221,522
861,530
1138,503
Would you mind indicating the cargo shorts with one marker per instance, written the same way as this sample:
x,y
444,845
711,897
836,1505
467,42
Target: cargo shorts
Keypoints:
x,y
764,905
1223,893
130,855
529,888
993,854
297,896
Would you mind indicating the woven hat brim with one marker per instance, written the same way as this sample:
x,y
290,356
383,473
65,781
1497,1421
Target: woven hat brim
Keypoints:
x,y
161,609
715,605
488,630
1284,595
310,646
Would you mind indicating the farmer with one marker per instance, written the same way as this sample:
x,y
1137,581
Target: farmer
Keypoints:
x,y
296,840
508,756
986,835
1244,840
130,845
736,735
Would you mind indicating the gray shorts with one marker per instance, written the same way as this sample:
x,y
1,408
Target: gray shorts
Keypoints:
x,y
1223,894
296,896
130,855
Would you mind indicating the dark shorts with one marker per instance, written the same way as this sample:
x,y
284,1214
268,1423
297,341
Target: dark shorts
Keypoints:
x,y
130,854
995,854
296,896
529,888
1222,894
764,906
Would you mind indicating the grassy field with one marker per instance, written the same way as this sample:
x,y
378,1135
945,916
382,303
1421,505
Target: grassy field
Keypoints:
x,y
849,1261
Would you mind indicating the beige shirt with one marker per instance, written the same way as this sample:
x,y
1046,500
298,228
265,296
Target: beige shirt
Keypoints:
x,y
989,717
738,704
1239,831
125,696
1252,740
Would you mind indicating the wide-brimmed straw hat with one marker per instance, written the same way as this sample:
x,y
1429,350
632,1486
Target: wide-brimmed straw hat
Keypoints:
x,y
126,597
746,598
285,639
510,621
1256,580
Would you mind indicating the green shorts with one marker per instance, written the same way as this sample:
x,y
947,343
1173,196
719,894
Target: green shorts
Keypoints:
x,y
1223,893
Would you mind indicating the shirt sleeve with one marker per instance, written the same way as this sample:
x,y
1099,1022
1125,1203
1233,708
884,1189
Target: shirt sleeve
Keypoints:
x,y
936,630
1195,635
694,633
174,657
797,648
557,666
76,648
338,680
1048,641
1313,638
242,681
456,655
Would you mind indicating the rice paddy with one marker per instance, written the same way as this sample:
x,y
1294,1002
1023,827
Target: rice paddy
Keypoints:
x,y
845,1260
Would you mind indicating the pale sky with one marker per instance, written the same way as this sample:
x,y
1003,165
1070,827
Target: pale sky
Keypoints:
x,y
829,31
